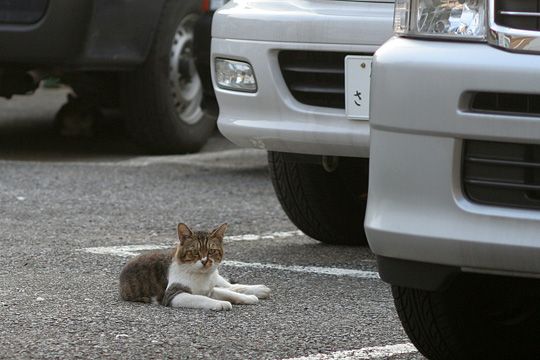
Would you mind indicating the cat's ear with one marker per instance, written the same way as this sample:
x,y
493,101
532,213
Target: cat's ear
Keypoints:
x,y
219,232
184,232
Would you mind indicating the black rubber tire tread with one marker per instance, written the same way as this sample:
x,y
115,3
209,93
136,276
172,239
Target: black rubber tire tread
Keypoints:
x,y
151,118
419,314
329,207
453,325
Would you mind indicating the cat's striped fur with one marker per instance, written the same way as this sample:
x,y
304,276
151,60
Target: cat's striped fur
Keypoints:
x,y
186,276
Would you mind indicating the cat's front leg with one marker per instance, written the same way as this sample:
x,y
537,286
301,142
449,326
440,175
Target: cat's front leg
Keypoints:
x,y
260,291
187,300
234,297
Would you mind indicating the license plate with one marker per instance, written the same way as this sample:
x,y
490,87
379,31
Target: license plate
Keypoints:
x,y
357,86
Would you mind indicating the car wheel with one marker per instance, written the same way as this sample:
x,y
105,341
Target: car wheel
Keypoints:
x,y
328,206
162,99
477,317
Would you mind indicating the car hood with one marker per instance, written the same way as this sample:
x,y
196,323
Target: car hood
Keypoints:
x,y
320,21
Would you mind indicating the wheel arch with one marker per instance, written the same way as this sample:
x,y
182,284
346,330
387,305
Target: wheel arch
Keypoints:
x,y
156,18
131,44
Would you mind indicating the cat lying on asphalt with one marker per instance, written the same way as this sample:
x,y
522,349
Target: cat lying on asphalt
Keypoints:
x,y
187,276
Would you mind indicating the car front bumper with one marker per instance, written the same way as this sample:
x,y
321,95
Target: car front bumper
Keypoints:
x,y
272,118
417,208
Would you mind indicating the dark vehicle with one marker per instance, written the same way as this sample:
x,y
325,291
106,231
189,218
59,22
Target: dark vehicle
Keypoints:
x,y
138,56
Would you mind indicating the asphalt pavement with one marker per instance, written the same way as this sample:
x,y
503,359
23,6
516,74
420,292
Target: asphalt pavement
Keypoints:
x,y
73,211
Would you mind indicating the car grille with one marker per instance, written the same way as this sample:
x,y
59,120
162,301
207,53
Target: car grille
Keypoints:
x,y
514,25
502,174
314,77
503,103
22,12
518,14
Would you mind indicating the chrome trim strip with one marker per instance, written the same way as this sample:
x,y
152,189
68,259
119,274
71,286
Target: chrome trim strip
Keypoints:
x,y
519,13
509,38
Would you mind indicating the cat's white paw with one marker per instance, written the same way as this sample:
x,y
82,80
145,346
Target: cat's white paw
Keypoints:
x,y
221,306
260,291
249,300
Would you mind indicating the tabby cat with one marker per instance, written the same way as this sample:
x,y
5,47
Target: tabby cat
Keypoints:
x,y
187,276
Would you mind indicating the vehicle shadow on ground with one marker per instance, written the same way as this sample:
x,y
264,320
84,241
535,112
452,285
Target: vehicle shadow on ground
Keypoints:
x,y
28,132
42,142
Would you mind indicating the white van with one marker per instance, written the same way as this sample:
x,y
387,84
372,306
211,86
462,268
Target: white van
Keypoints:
x,y
454,198
279,71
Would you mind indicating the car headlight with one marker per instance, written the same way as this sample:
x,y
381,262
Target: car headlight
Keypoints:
x,y
453,19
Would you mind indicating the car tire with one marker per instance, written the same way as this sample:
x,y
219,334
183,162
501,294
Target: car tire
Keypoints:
x,y
327,206
477,317
162,99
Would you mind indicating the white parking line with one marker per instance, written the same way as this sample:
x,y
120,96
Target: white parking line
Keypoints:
x,y
216,159
219,159
271,236
132,250
125,250
362,274
376,352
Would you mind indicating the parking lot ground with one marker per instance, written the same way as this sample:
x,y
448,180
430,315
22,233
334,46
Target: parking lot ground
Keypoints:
x,y
72,214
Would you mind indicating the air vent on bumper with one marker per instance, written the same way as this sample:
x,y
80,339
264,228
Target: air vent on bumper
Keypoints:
x,y
314,77
502,174
505,103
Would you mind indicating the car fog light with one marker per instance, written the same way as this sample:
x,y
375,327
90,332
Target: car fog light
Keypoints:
x,y
235,75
